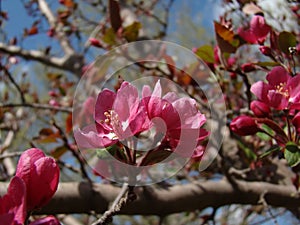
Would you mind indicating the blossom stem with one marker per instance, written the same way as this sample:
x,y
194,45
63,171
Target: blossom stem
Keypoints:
x,y
289,126
128,153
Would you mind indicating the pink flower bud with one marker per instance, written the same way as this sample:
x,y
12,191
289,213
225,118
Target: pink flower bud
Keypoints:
x,y
95,42
13,204
40,174
231,61
51,32
248,67
267,51
53,93
244,125
260,109
53,102
49,220
233,75
296,122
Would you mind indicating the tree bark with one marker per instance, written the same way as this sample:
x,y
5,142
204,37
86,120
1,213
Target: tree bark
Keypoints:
x,y
84,197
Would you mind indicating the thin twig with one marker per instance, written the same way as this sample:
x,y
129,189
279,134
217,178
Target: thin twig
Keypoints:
x,y
10,77
119,202
10,155
75,153
37,106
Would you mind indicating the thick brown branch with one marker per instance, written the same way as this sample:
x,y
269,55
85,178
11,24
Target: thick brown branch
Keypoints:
x,y
83,198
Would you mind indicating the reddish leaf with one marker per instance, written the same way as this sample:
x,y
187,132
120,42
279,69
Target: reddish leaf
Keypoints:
x,y
68,3
69,123
154,157
225,33
170,64
4,15
47,135
114,15
58,152
32,31
183,78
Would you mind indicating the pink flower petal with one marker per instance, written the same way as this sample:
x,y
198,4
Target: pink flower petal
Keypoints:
x,y
49,220
13,204
260,89
90,138
126,101
103,104
277,76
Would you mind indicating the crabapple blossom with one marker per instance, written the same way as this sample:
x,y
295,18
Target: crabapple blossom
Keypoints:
x,y
281,91
40,174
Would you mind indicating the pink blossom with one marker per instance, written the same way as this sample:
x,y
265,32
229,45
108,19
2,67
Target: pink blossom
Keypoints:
x,y
181,117
296,122
40,174
49,220
281,91
257,32
13,204
118,116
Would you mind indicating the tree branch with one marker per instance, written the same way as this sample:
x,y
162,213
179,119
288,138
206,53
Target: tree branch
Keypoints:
x,y
37,106
85,197
70,63
64,41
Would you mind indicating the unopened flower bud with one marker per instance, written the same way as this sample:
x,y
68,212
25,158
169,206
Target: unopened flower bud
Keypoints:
x,y
244,125
267,51
248,67
95,42
40,175
260,109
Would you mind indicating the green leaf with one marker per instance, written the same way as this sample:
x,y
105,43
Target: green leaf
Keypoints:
x,y
285,41
109,36
248,152
264,64
269,151
104,153
131,32
206,52
292,154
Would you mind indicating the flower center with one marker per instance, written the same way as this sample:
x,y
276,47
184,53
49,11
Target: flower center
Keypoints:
x,y
281,89
114,122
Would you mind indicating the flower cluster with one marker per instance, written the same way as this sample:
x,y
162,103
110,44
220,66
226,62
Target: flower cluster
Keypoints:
x,y
274,114
276,110
121,117
32,187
